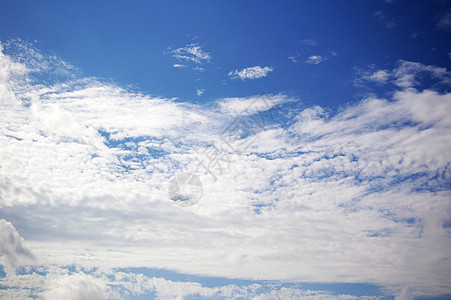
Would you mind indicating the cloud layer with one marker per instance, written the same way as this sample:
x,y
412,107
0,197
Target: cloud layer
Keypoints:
x,y
361,195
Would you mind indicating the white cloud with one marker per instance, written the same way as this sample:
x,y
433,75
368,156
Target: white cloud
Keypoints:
x,y
406,74
74,287
293,58
62,283
380,76
407,71
191,53
13,251
179,66
200,69
251,73
251,105
315,59
360,195
200,92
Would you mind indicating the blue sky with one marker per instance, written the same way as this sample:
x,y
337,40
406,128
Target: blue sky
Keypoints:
x,y
226,150
126,42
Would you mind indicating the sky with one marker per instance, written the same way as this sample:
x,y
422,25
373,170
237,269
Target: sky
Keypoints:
x,y
225,150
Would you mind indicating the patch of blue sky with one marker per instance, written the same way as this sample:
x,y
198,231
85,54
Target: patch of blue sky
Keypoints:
x,y
355,289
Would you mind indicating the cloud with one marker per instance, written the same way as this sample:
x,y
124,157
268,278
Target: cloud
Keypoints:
x,y
407,72
250,73
315,59
293,58
191,53
75,287
200,69
309,42
179,66
86,165
406,75
13,251
200,92
65,283
380,76
250,105
445,22
384,20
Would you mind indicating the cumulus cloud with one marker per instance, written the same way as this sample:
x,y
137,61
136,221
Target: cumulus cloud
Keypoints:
x,y
250,73
13,251
362,189
315,59
75,287
63,283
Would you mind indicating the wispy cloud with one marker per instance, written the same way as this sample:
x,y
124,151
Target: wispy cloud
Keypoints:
x,y
406,74
445,22
384,20
380,76
179,66
250,105
250,73
333,53
293,58
190,53
309,42
315,59
200,92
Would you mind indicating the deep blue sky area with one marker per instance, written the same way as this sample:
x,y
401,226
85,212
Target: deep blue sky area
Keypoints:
x,y
128,42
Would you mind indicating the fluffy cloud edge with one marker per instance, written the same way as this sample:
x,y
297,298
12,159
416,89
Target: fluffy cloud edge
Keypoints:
x,y
255,72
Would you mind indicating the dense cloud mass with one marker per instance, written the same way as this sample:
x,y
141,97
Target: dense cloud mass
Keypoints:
x,y
361,195
13,251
